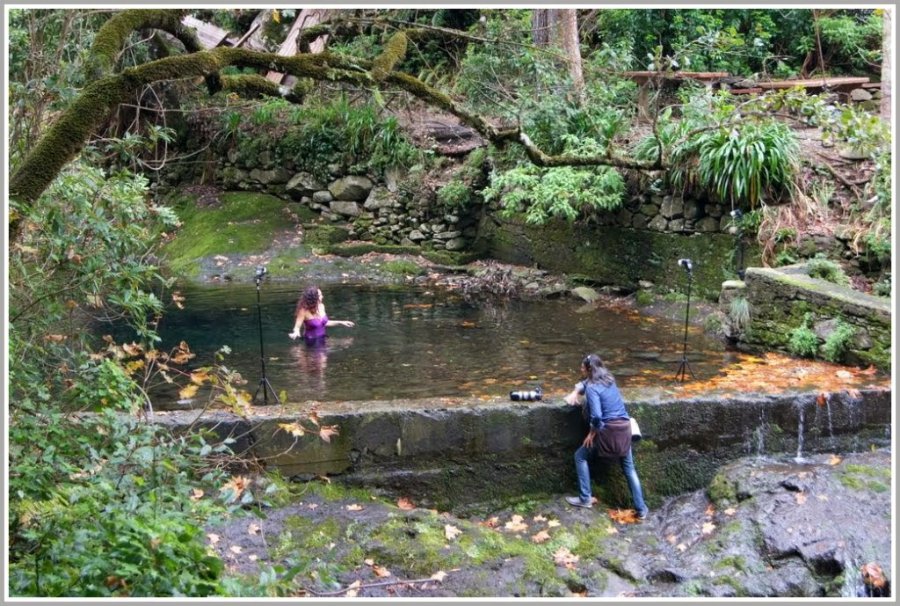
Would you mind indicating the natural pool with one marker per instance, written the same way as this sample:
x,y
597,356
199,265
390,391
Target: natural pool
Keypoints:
x,y
416,343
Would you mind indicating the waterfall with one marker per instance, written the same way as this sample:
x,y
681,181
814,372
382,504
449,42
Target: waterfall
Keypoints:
x,y
799,457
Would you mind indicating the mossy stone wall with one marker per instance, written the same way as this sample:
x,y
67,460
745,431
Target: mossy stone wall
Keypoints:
x,y
781,298
614,255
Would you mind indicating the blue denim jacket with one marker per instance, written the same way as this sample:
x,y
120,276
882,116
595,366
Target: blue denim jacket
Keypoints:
x,y
602,403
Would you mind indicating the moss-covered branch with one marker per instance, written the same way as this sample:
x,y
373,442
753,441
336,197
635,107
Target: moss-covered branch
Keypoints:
x,y
65,139
394,52
112,36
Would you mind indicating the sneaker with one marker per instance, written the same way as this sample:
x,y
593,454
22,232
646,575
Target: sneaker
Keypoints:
x,y
643,515
577,502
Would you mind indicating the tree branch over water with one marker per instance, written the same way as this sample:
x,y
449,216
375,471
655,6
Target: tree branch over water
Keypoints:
x,y
66,138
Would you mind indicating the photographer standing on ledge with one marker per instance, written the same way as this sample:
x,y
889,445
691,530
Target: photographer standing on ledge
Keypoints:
x,y
310,319
610,431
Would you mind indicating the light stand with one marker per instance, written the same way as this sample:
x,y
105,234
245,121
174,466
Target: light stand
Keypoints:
x,y
736,216
264,384
685,366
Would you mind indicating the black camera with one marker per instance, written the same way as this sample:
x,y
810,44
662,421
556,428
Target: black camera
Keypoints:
x,y
686,264
260,271
526,396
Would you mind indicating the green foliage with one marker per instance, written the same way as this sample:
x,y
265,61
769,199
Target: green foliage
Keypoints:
x,y
838,342
101,502
853,39
455,194
826,269
543,194
739,314
882,288
561,192
403,267
315,137
803,341
748,164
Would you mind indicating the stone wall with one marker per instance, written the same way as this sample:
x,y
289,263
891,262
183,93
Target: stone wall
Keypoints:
x,y
454,456
780,299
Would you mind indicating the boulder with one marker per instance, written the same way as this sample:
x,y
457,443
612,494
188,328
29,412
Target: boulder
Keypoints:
x,y
352,188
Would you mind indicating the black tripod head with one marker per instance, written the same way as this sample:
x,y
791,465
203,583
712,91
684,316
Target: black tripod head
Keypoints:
x,y
260,274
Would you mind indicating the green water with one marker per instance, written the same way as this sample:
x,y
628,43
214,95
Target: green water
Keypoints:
x,y
416,343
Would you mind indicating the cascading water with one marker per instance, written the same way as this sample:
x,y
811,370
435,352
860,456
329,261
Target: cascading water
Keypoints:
x,y
799,458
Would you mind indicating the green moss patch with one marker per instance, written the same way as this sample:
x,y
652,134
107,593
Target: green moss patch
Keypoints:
x,y
244,223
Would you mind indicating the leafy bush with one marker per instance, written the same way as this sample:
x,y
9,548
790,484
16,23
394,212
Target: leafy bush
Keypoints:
x,y
825,269
100,504
317,136
882,288
455,194
749,163
803,341
838,342
562,192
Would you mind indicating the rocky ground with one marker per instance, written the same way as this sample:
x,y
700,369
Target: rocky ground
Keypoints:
x,y
764,528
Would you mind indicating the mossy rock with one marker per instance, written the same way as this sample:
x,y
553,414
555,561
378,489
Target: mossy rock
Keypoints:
x,y
325,235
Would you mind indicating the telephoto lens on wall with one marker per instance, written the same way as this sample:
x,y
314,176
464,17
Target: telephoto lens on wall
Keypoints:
x,y
526,395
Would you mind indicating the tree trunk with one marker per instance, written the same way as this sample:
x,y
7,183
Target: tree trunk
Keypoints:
x,y
540,26
568,36
887,78
559,28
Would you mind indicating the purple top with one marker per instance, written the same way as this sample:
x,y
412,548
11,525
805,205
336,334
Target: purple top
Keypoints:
x,y
314,328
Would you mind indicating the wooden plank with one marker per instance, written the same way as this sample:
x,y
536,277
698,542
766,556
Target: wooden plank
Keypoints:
x,y
745,91
209,35
644,76
814,83
288,48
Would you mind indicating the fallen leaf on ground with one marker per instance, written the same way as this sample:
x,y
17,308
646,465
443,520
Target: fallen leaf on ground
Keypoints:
x,y
730,511
800,498
196,494
253,529
672,539
710,510
451,532
516,524
438,576
353,589
235,549
405,504
681,547
843,374
834,460
381,571
354,507
540,537
369,562
538,518
491,522
213,538
623,516
313,505
553,523
708,527
564,557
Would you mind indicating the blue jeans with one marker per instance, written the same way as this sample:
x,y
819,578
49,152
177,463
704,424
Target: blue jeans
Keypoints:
x,y
583,455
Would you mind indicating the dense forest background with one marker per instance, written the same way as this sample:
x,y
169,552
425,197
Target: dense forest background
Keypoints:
x,y
100,104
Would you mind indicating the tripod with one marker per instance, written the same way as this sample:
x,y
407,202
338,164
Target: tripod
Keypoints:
x,y
685,366
264,384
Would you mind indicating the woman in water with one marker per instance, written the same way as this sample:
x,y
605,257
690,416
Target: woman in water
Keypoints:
x,y
609,435
310,319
